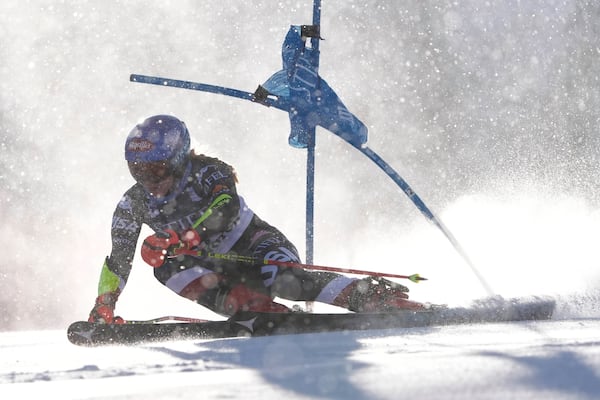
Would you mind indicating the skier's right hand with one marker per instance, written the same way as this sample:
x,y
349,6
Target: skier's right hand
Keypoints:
x,y
104,309
156,247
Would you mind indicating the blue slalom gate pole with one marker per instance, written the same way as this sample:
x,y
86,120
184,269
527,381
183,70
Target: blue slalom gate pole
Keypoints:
x,y
351,135
416,200
310,153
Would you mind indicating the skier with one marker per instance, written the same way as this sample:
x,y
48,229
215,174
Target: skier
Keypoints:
x,y
190,202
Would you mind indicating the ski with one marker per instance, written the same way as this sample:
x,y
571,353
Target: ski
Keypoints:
x,y
266,324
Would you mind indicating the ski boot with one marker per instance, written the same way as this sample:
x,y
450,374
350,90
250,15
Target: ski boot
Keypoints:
x,y
375,294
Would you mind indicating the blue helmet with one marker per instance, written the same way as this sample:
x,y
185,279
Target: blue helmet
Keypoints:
x,y
158,138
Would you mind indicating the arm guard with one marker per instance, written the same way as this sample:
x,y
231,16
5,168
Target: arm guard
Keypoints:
x,y
109,281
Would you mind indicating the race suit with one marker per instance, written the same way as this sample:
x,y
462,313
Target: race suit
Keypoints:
x,y
208,187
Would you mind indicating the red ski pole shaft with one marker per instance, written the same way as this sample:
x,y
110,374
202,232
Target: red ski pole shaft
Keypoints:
x,y
253,260
413,277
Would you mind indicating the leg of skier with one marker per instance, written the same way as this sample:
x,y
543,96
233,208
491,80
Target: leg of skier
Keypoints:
x,y
225,287
361,295
217,285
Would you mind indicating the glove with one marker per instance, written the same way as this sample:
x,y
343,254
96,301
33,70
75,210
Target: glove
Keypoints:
x,y
191,238
155,247
104,310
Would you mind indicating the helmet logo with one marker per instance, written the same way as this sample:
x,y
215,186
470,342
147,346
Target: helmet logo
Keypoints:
x,y
158,138
140,145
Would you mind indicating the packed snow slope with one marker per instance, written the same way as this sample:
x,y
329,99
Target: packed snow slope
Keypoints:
x,y
527,360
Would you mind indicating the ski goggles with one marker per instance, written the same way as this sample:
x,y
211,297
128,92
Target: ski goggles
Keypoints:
x,y
150,172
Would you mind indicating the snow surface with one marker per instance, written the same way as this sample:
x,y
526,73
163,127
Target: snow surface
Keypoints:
x,y
526,360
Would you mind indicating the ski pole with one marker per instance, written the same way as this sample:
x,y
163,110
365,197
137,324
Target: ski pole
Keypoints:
x,y
253,260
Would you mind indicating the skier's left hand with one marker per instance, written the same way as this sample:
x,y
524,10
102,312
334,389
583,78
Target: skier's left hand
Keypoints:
x,y
104,309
